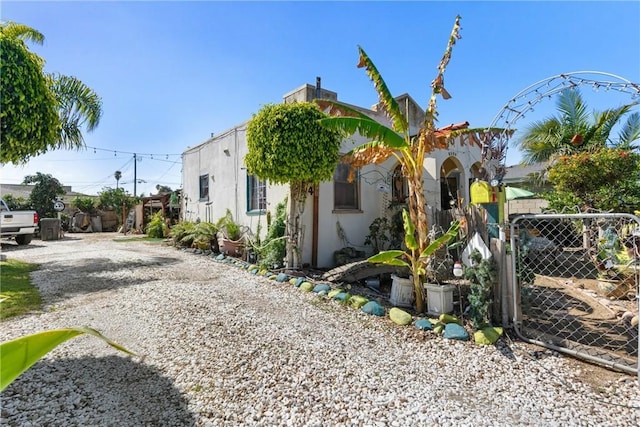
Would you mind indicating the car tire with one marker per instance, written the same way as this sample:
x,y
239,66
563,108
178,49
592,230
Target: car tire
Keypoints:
x,y
23,239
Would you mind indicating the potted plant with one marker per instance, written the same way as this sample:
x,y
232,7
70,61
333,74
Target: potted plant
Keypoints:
x,y
413,258
230,237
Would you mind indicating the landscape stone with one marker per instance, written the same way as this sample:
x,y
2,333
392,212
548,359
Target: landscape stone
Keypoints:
x,y
334,292
357,301
322,287
454,331
306,287
487,336
373,308
342,296
424,324
282,277
399,317
299,281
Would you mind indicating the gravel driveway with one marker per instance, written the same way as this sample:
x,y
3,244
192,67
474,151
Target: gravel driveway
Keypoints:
x,y
223,347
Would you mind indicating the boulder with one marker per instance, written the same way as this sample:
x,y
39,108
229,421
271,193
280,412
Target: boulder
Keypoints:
x,y
487,336
306,287
321,287
282,277
357,301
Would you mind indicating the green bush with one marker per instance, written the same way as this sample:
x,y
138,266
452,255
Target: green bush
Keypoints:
x,y
157,227
274,246
85,204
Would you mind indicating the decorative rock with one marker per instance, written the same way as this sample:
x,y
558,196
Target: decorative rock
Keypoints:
x,y
293,281
282,277
448,318
321,287
342,296
334,292
455,332
273,277
373,308
322,293
399,317
487,336
357,301
299,281
424,324
306,287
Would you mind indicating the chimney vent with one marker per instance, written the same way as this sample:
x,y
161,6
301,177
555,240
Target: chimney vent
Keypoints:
x,y
318,87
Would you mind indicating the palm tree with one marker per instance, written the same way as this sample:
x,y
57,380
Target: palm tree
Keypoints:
x,y
574,130
75,103
117,175
78,106
409,150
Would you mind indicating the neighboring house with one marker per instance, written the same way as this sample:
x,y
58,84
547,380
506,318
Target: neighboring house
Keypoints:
x,y
520,176
24,191
337,213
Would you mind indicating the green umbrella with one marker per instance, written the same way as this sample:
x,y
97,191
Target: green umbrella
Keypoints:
x,y
518,193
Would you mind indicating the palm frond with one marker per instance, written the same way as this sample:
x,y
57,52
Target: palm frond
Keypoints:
x,y
398,119
366,127
22,32
630,131
572,108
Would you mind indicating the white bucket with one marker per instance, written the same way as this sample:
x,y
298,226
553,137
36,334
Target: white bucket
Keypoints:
x,y
401,292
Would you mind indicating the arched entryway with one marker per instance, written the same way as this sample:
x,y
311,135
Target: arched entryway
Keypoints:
x,y
453,186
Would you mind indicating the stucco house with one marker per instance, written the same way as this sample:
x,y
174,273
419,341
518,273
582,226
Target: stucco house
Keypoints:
x,y
337,213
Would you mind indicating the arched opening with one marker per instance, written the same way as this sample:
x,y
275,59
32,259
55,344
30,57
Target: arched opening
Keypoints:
x,y
451,176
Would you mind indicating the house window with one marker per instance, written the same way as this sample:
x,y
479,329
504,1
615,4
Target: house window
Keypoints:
x,y
346,195
204,187
256,194
399,186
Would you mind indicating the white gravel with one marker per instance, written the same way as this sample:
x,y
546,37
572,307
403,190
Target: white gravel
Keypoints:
x,y
223,347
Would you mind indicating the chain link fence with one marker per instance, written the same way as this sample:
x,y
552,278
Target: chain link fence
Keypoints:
x,y
575,285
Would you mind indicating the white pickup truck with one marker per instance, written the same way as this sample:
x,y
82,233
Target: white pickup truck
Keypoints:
x,y
21,225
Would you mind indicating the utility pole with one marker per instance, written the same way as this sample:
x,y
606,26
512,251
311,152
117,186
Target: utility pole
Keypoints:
x,y
135,177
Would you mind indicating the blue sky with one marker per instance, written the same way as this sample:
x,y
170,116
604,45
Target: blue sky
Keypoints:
x,y
171,73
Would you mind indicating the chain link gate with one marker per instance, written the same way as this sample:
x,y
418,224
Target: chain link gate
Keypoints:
x,y
575,285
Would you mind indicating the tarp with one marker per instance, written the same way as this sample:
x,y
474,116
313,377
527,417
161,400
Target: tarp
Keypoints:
x,y
517,193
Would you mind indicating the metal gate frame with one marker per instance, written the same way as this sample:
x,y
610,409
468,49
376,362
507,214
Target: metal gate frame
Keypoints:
x,y
516,287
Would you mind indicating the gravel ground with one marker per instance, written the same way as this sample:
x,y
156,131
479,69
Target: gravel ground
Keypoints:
x,y
223,347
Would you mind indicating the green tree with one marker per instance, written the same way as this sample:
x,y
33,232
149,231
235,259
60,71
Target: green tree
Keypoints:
x,y
29,119
38,111
116,198
399,141
44,193
574,130
163,189
287,145
117,175
604,179
16,203
85,204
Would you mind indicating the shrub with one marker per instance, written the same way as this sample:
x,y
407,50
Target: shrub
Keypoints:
x,y
273,248
157,227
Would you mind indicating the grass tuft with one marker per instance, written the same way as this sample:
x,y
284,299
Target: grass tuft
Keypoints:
x,y
18,294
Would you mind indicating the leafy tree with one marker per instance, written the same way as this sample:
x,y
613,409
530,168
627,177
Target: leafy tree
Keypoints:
x,y
287,145
573,130
115,199
163,189
29,120
407,146
44,193
117,175
39,111
16,203
85,204
605,179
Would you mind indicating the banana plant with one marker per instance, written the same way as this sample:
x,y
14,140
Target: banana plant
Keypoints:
x,y
18,355
397,141
415,258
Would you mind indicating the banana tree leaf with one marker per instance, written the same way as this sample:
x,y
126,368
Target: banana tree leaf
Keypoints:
x,y
400,122
443,240
339,109
18,355
366,127
386,256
